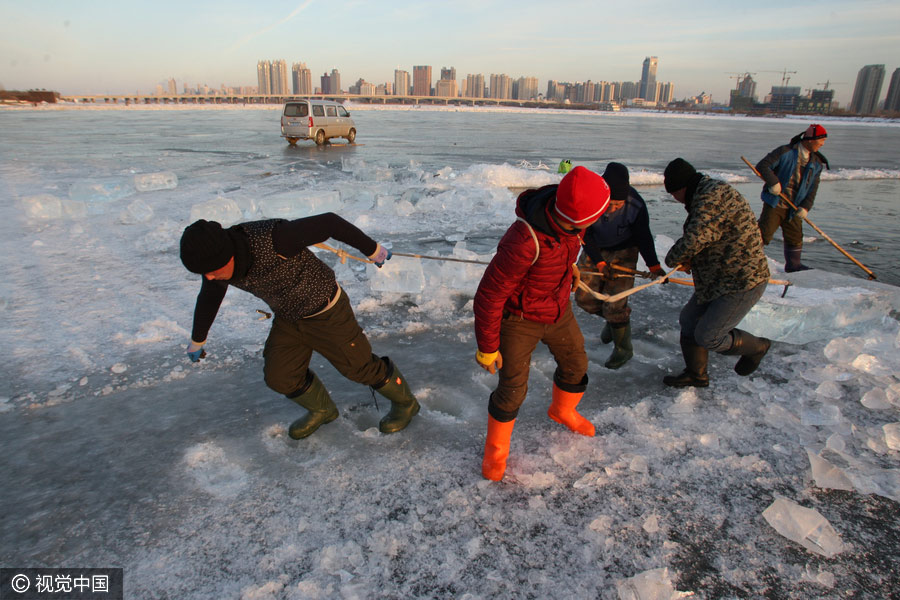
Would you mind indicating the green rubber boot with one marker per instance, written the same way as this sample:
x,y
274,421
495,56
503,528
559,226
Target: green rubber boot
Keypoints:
x,y
404,405
606,335
623,351
320,408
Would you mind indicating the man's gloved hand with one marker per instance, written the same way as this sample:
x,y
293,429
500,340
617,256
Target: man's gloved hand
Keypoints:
x,y
576,276
195,351
488,360
604,269
656,272
380,255
775,190
802,212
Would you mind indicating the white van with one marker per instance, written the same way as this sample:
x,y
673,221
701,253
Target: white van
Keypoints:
x,y
318,120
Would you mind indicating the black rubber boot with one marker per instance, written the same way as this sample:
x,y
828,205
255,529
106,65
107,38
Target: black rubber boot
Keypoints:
x,y
622,353
696,359
792,262
606,335
404,405
320,409
751,349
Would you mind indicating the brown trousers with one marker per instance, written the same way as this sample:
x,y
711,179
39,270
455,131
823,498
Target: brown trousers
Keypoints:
x,y
518,339
614,312
334,334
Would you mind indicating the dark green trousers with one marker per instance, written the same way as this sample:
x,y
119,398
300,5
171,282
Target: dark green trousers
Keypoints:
x,y
334,334
770,219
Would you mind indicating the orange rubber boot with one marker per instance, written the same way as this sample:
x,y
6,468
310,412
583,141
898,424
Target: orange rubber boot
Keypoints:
x,y
496,448
562,410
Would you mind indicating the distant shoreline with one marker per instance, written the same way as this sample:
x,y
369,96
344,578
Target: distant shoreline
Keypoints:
x,y
629,112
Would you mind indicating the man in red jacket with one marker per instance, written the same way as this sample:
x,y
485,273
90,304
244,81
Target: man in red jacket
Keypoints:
x,y
523,299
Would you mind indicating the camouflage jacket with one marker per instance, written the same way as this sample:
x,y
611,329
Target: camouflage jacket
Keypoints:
x,y
721,241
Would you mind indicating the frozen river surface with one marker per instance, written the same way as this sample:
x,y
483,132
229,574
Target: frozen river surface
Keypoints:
x,y
117,451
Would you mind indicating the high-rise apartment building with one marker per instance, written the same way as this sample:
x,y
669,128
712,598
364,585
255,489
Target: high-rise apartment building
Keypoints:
x,y
363,88
272,77
605,91
401,82
325,80
173,87
501,86
555,91
264,76
629,90
648,79
280,78
302,79
475,86
867,90
446,88
586,94
527,88
665,92
892,102
422,80
336,82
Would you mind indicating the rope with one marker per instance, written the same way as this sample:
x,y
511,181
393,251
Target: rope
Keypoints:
x,y
616,297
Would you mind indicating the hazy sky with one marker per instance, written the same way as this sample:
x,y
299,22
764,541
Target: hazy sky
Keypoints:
x,y
92,46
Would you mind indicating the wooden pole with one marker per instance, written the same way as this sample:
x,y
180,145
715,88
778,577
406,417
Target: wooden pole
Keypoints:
x,y
646,275
813,225
462,260
343,255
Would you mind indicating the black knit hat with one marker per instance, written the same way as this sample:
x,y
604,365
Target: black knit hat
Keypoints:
x,y
205,247
616,176
678,174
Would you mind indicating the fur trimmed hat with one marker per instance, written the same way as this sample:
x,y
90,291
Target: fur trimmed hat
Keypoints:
x,y
205,247
616,177
678,175
581,197
815,132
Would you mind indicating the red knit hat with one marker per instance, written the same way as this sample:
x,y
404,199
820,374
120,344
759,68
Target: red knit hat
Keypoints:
x,y
815,132
581,197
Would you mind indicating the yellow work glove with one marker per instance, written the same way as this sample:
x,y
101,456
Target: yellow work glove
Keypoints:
x,y
488,360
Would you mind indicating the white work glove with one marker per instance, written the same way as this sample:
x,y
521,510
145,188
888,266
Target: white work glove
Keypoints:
x,y
775,190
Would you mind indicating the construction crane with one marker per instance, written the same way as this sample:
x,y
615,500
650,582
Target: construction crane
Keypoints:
x,y
829,82
785,78
740,77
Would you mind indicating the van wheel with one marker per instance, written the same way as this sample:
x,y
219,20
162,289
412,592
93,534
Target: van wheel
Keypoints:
x,y
351,135
292,141
320,137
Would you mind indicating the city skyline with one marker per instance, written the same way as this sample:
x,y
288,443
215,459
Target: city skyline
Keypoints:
x,y
102,48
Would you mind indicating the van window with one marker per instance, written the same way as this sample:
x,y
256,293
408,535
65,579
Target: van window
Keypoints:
x,y
342,112
331,111
318,111
296,110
